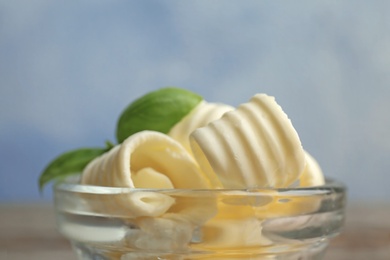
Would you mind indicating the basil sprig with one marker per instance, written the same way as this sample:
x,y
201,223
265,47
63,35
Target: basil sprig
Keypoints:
x,y
159,111
69,163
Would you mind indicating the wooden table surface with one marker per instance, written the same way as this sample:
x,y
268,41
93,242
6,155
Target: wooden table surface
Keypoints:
x,y
29,232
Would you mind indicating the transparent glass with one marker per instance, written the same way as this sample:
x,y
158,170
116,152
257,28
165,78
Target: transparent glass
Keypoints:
x,y
177,224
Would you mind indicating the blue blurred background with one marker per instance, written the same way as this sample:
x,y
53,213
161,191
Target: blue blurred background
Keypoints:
x,y
68,68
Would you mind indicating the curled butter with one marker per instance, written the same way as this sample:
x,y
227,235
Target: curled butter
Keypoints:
x,y
151,160
201,115
253,146
152,154
312,174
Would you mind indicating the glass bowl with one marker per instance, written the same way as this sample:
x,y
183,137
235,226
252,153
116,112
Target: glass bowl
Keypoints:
x,y
127,223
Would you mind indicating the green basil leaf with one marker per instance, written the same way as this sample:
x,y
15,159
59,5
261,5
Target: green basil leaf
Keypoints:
x,y
69,163
159,110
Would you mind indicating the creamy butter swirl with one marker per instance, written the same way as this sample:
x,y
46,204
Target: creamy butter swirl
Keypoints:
x,y
201,115
156,157
144,158
253,146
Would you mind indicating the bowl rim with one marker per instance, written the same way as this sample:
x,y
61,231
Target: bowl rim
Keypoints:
x,y
331,186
